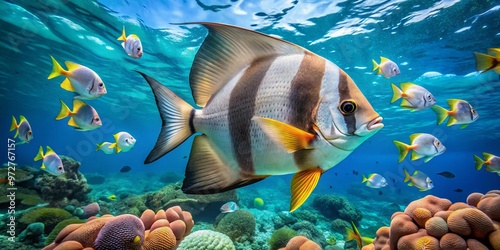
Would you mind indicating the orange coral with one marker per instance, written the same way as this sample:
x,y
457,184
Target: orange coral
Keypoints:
x,y
451,241
494,239
301,243
421,215
401,225
436,226
470,221
161,238
490,205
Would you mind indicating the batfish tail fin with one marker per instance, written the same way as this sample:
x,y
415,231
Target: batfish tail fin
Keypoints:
x,y
177,119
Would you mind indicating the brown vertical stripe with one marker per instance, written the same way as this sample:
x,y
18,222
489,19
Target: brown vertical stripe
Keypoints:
x,y
344,94
304,98
241,111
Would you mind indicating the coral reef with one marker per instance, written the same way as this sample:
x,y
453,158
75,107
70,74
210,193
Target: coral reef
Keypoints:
x,y
436,223
307,229
238,225
57,229
172,195
48,216
70,188
161,230
206,240
281,237
301,243
33,234
336,207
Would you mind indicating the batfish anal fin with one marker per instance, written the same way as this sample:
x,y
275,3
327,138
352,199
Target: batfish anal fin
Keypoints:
x,y
292,139
208,173
303,183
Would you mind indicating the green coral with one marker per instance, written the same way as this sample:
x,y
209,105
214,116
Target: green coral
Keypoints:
x,y
238,225
48,216
336,207
339,225
281,237
206,240
52,236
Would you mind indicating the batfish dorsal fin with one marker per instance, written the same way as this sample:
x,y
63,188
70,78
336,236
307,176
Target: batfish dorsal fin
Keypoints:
x,y
225,52
208,173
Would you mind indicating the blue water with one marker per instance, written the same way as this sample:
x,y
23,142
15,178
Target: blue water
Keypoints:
x,y
421,36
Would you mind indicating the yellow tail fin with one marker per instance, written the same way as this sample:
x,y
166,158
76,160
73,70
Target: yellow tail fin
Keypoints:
x,y
441,113
478,162
485,62
407,176
375,65
14,126
40,155
364,179
57,70
396,93
64,112
123,37
403,149
354,235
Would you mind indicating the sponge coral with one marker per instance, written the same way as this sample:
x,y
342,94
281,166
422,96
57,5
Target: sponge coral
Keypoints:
x,y
435,223
206,240
301,243
127,231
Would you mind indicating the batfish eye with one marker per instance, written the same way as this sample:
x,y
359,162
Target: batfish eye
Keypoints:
x,y
138,49
96,119
347,107
101,84
59,167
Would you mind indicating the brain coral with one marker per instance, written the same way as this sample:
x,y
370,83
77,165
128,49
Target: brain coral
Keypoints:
x,y
471,225
301,243
206,240
238,225
48,216
336,207
126,232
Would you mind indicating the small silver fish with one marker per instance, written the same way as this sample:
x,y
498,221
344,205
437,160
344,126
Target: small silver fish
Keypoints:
x,y
229,207
461,112
270,107
124,142
415,97
51,161
374,181
419,180
423,145
386,67
491,161
79,79
23,129
132,44
83,117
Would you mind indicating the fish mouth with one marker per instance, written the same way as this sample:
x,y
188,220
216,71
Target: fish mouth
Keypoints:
x,y
375,124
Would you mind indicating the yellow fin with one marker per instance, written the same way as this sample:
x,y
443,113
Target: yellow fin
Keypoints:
x,y
57,70
364,179
22,119
226,51
289,137
303,183
396,93
123,37
453,102
478,162
405,86
464,126
72,123
14,125
407,176
407,105
415,156
66,85
414,136
484,62
113,145
77,104
72,66
43,166
487,156
49,151
99,146
451,121
64,112
40,155
494,51
134,36
375,65
383,59
403,149
441,113
354,235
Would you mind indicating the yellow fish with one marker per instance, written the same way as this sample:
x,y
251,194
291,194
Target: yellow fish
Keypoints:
x,y
461,112
270,107
112,197
83,117
386,67
79,79
353,234
485,63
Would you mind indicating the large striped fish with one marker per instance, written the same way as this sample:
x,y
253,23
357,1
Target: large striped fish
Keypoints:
x,y
270,107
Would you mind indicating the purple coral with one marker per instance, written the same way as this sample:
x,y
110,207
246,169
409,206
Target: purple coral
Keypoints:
x,y
91,209
123,232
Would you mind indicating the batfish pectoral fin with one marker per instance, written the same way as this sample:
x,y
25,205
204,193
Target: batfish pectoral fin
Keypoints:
x,y
207,172
292,139
303,183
